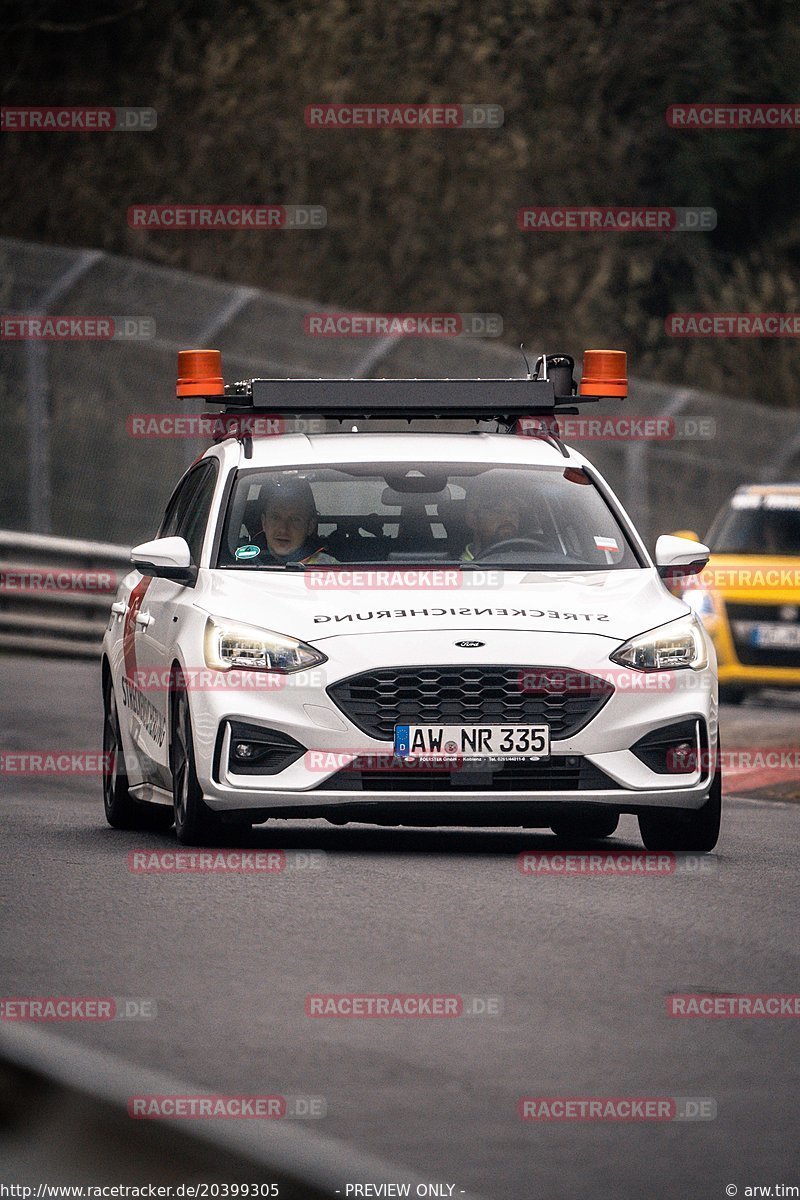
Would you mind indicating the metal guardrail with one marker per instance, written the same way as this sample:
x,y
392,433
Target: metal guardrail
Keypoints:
x,y
65,1118
55,593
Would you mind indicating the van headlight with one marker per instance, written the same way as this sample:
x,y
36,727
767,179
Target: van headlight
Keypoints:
x,y
228,644
667,648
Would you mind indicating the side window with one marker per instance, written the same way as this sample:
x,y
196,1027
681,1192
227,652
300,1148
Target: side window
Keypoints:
x,y
188,509
175,506
195,518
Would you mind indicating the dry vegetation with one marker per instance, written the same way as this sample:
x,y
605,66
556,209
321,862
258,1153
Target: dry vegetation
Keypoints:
x,y
426,221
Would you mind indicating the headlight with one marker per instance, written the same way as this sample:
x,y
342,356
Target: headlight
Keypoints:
x,y
668,648
244,646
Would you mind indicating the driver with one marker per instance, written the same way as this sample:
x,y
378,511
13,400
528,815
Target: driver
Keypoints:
x,y
289,524
492,512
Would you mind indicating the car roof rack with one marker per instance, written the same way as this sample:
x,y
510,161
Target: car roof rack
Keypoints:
x,y
538,399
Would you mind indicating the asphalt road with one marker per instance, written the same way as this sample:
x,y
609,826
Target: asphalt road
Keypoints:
x,y
582,967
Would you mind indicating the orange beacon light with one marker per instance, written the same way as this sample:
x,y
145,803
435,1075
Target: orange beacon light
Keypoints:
x,y
200,373
605,373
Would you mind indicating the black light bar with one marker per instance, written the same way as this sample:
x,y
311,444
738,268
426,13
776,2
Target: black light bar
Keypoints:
x,y
481,399
604,377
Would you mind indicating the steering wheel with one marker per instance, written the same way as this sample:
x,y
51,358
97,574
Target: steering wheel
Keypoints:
x,y
535,543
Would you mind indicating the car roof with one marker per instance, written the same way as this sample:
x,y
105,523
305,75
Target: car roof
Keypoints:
x,y
333,448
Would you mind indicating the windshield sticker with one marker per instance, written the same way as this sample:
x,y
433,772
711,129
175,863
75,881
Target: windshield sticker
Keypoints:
x,y
246,552
607,543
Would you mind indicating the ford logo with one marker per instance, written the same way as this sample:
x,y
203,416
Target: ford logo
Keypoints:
x,y
470,645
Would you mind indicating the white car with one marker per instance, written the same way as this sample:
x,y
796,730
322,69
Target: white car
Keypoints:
x,y
407,628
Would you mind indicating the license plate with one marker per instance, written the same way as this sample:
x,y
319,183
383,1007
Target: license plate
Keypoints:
x,y
778,636
472,741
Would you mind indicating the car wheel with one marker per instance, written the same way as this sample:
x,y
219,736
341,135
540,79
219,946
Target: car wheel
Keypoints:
x,y
728,694
589,828
122,811
195,823
696,829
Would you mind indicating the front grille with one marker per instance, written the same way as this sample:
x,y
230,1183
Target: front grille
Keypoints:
x,y
761,656
376,701
561,773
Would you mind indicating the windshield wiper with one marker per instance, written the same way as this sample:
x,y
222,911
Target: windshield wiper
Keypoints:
x,y
394,565
260,566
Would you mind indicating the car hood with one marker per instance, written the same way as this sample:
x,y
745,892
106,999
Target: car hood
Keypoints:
x,y
315,606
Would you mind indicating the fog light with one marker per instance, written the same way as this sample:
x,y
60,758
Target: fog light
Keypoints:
x,y
244,750
682,758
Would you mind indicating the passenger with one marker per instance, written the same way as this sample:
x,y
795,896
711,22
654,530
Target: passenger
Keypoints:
x,y
289,523
492,512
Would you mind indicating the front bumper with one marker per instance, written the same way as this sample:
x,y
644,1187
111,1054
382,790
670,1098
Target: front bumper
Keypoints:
x,y
302,710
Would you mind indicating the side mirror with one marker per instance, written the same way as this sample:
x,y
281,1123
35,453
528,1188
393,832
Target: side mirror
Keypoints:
x,y
165,558
677,557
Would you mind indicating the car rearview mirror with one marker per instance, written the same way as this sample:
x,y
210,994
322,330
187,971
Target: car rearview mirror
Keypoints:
x,y
680,556
165,558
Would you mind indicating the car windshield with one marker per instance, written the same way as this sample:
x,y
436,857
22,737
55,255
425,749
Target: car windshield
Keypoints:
x,y
758,524
462,514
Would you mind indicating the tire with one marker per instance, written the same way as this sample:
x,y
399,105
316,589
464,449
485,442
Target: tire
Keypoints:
x,y
696,829
195,823
589,828
728,694
122,811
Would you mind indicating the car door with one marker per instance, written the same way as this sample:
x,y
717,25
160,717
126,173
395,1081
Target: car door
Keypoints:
x,y
155,624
